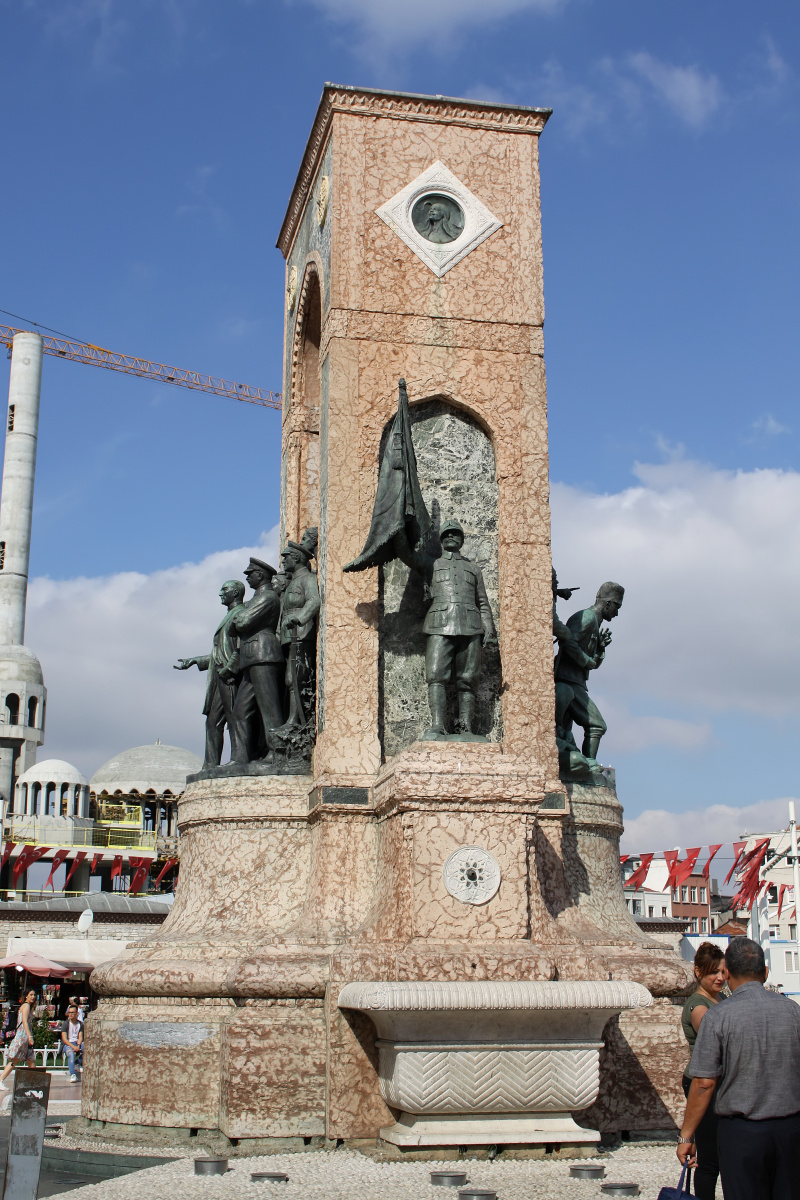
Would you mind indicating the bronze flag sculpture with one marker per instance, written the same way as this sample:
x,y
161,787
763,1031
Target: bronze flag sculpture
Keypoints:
x,y
398,502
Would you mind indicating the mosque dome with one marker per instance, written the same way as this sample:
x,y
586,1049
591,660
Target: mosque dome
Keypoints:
x,y
53,770
155,768
18,664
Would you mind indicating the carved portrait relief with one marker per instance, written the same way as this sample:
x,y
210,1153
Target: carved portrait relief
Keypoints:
x,y
438,218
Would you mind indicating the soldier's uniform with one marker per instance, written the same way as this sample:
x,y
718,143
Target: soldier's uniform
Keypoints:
x,y
574,660
261,663
456,624
301,601
223,668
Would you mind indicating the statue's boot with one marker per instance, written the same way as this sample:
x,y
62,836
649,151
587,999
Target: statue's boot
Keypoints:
x,y
466,711
591,743
437,701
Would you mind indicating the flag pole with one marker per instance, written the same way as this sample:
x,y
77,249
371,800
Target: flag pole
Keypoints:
x,y
795,865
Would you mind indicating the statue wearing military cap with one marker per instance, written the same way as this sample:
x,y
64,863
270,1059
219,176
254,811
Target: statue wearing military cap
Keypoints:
x,y
259,699
459,620
457,625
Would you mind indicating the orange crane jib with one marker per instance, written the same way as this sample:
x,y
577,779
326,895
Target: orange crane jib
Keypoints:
x,y
85,352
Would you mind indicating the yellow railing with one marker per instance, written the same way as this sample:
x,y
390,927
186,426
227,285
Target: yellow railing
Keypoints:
x,y
31,833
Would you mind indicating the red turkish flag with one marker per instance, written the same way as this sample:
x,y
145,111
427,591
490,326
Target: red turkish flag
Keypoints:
x,y
781,890
169,863
738,847
712,850
684,869
9,846
29,855
142,872
623,858
79,857
671,859
639,876
58,859
95,860
116,866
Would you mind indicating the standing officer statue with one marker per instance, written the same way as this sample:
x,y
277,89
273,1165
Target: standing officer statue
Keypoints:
x,y
259,701
459,620
298,632
223,669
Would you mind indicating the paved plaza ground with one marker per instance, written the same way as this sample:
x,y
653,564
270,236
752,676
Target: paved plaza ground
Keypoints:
x,y
348,1175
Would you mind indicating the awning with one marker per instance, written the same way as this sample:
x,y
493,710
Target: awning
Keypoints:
x,y
75,954
34,964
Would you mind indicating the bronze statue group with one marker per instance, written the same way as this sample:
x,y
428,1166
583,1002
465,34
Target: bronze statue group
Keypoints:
x,y
262,664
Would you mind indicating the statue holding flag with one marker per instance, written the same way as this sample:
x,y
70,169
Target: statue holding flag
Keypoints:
x,y
459,620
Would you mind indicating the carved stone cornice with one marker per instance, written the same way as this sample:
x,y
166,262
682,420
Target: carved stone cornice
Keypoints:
x,y
398,106
405,329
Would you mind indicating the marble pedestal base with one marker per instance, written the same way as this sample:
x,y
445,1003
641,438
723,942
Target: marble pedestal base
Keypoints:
x,y
516,1129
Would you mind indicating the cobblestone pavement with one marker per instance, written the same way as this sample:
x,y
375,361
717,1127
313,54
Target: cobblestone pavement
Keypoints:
x,y
348,1175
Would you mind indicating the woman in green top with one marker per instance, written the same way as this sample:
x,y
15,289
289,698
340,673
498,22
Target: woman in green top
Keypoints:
x,y
709,971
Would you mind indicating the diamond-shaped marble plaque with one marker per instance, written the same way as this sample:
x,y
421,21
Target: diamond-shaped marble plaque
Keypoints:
x,y
439,218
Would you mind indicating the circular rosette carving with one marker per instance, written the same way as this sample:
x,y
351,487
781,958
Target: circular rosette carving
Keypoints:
x,y
472,875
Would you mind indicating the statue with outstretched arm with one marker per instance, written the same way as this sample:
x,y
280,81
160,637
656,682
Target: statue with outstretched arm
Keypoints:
x,y
224,672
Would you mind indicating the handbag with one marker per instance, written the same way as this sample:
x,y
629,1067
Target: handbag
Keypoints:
x,y
668,1193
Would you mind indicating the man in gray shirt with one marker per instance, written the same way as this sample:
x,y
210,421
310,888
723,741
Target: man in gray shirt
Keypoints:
x,y
748,1049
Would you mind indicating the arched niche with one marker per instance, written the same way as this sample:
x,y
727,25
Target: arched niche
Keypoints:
x,y
457,474
303,452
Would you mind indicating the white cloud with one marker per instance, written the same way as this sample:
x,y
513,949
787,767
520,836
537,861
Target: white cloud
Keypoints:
x,y
711,591
768,426
656,829
107,648
694,95
382,26
632,733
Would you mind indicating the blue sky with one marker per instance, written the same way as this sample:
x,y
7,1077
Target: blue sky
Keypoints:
x,y
150,148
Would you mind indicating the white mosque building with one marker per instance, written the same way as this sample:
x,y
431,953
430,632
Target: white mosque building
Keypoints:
x,y
127,811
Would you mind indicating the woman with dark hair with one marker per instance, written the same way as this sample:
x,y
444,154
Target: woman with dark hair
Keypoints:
x,y
20,1052
709,972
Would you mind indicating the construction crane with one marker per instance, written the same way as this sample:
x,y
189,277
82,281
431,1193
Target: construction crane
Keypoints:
x,y
96,356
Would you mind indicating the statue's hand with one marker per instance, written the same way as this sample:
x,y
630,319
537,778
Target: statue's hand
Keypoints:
x,y
605,637
183,664
490,637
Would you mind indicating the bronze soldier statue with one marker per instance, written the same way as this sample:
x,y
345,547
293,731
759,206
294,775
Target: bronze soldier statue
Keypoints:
x,y
223,669
458,624
261,662
459,621
298,633
584,652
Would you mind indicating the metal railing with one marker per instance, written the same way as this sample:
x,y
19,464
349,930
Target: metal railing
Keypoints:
x,y
33,834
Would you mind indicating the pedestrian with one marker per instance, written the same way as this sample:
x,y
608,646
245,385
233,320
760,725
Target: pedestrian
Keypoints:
x,y
709,972
72,1040
748,1053
20,1051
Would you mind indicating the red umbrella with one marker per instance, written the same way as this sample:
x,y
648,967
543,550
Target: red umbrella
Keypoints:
x,y
35,964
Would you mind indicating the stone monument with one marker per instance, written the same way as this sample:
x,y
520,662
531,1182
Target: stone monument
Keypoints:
x,y
356,951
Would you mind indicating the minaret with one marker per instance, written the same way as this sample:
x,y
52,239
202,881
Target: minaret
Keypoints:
x,y
22,692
